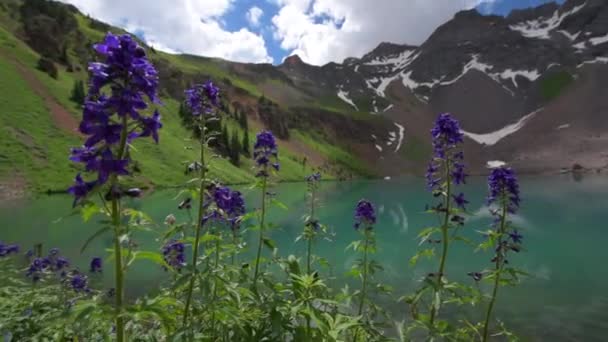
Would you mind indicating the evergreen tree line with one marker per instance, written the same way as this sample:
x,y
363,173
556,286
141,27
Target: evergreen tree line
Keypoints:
x,y
230,145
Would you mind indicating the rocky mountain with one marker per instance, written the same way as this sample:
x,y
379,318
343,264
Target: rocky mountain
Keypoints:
x,y
508,79
529,89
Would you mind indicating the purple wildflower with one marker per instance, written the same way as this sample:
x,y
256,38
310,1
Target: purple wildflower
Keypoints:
x,y
515,236
173,254
118,85
78,281
364,214
201,98
36,268
460,200
6,250
96,265
446,136
503,186
264,149
230,204
80,189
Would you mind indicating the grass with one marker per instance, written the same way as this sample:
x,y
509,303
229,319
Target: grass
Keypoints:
x,y
31,145
38,149
553,85
333,153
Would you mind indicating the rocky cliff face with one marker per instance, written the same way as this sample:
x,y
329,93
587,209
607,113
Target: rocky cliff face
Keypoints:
x,y
497,74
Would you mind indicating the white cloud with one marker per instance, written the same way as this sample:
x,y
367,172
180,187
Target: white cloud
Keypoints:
x,y
253,16
189,26
320,31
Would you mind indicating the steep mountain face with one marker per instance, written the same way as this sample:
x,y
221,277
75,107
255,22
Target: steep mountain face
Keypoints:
x,y
496,74
529,89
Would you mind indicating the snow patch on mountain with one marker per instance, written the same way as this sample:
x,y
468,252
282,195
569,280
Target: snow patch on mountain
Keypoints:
x,y
395,63
379,148
493,164
564,126
490,139
569,35
401,135
473,64
599,40
541,28
596,60
532,75
343,95
388,107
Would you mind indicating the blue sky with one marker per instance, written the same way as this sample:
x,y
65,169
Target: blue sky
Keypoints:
x,y
267,31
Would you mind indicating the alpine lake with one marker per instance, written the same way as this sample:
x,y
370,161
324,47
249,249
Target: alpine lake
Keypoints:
x,y
564,222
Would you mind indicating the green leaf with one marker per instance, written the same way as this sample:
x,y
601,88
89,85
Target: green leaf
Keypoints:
x,y
270,243
93,237
425,253
274,201
152,256
89,210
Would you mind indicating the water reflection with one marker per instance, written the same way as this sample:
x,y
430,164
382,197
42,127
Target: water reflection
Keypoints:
x,y
562,220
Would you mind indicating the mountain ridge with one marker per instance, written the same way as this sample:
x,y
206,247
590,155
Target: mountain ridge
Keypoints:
x,y
370,116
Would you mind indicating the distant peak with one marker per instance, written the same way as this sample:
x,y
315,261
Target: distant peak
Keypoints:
x,y
293,60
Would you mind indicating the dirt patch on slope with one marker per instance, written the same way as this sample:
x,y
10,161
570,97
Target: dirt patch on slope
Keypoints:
x,y
12,188
62,117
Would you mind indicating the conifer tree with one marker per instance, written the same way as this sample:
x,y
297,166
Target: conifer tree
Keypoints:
x,y
245,144
235,148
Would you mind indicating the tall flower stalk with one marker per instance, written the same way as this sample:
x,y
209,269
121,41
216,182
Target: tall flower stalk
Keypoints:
x,y
503,192
201,99
264,150
229,207
445,171
365,218
312,223
112,120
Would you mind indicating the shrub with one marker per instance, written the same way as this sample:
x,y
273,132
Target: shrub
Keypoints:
x,y
47,65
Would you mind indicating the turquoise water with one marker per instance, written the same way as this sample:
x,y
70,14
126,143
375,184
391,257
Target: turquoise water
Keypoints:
x,y
563,220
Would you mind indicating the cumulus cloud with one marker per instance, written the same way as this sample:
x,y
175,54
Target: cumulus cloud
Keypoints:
x,y
320,31
189,26
253,16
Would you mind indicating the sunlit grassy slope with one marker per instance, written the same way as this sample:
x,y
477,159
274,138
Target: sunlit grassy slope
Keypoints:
x,y
34,147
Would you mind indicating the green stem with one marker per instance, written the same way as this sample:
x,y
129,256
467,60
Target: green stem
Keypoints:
x,y
261,240
498,266
364,288
119,272
312,232
199,222
444,239
235,241
214,296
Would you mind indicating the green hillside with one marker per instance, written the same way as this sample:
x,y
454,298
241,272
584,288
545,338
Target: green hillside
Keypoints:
x,y
39,120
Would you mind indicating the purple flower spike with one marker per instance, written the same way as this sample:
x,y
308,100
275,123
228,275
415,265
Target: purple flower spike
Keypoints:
x,y
201,98
446,135
264,149
503,184
112,113
173,254
365,214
